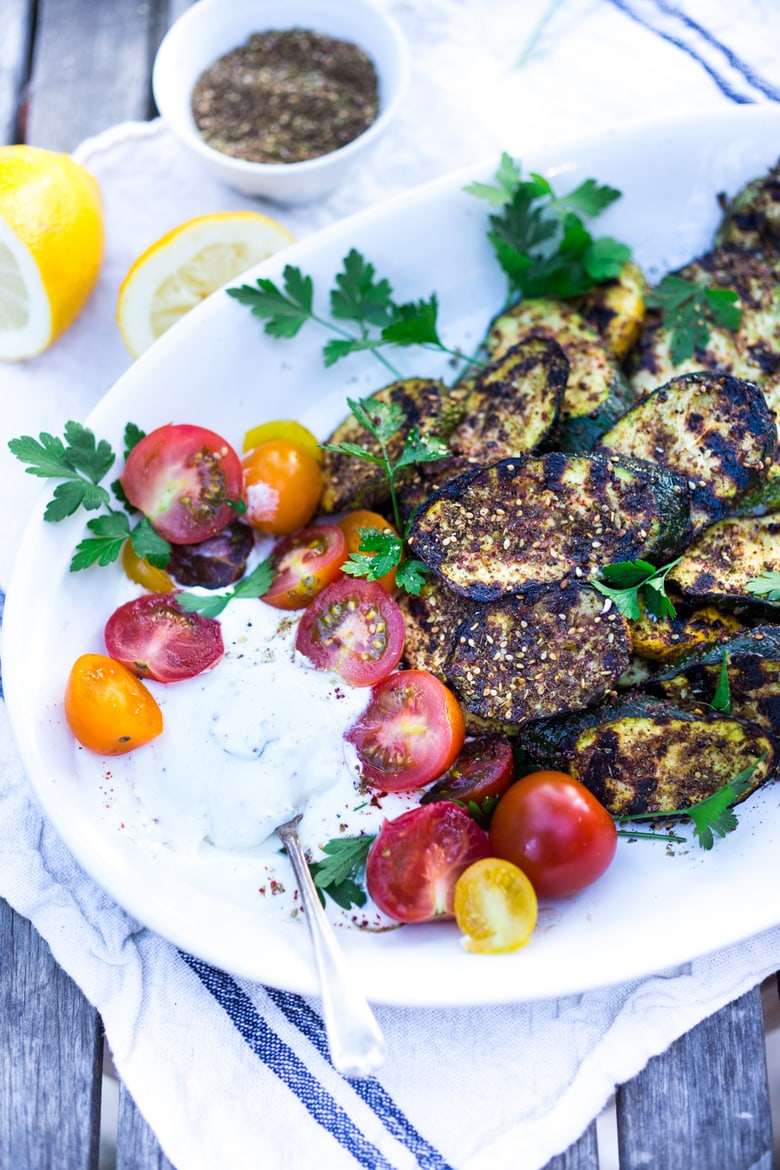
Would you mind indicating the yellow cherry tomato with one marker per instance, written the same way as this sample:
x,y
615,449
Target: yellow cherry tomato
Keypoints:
x,y
108,709
351,523
295,432
138,569
495,907
283,485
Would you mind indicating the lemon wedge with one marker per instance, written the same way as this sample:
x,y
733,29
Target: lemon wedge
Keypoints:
x,y
186,265
51,246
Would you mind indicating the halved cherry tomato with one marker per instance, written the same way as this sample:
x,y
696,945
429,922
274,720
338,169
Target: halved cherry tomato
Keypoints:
x,y
495,906
484,768
107,708
140,570
416,859
355,628
216,562
154,638
283,485
556,831
283,429
411,731
182,477
351,525
303,564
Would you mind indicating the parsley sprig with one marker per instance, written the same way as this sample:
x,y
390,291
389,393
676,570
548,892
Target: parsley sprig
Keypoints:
x,y
340,874
713,816
211,605
626,581
81,462
382,551
767,585
688,310
540,238
358,296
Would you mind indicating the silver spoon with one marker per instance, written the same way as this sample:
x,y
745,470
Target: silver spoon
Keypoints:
x,y
357,1046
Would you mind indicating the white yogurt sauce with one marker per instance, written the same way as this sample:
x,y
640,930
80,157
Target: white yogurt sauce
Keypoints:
x,y
244,746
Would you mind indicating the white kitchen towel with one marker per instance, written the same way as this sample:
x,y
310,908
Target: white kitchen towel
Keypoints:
x,y
231,1074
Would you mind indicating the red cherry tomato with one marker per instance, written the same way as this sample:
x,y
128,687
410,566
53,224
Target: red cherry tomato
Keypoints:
x,y
355,628
182,477
484,768
556,831
283,484
154,638
303,564
416,859
411,731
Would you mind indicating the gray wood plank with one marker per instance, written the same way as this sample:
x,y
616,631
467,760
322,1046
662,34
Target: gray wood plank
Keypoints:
x,y
50,1058
136,1146
90,69
704,1102
583,1155
15,40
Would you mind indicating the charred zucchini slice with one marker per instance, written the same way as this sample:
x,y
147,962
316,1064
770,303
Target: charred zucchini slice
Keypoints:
x,y
715,431
513,404
512,661
431,619
666,639
356,483
752,218
524,523
596,392
644,756
616,310
752,351
753,666
718,565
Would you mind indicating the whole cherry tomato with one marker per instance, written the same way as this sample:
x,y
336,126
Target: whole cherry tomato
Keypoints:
x,y
108,709
556,831
283,485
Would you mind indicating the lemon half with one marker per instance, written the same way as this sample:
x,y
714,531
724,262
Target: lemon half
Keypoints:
x,y
186,265
51,246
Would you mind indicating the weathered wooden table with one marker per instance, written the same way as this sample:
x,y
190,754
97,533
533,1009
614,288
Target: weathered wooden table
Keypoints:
x,y
68,69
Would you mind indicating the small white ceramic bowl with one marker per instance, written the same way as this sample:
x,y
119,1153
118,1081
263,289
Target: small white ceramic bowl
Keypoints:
x,y
212,28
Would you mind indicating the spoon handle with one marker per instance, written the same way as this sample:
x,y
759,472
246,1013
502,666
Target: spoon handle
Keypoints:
x,y
356,1043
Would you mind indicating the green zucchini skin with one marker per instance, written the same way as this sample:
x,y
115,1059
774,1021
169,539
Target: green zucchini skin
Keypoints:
x,y
753,666
720,562
751,352
356,483
643,755
526,523
752,218
715,431
513,404
596,391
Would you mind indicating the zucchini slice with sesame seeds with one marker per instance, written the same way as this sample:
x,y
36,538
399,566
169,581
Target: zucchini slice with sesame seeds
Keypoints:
x,y
715,431
526,523
357,483
752,218
616,310
596,392
514,403
753,668
666,639
643,755
718,565
515,661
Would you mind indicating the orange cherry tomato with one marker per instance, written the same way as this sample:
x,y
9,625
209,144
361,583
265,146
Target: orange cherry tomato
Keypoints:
x,y
352,523
138,569
108,709
283,485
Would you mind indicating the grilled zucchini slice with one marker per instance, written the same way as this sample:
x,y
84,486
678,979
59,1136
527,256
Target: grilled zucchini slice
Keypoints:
x,y
752,218
356,483
641,755
596,392
616,310
718,565
715,431
667,639
513,661
753,665
524,523
514,403
752,351
431,619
